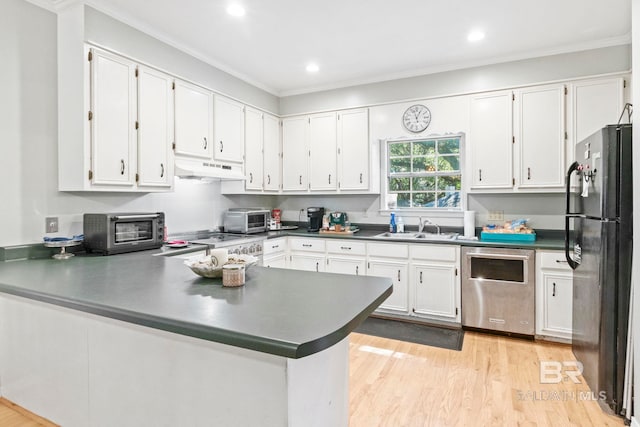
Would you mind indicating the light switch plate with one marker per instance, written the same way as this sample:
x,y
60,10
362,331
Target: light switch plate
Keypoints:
x,y
51,224
496,215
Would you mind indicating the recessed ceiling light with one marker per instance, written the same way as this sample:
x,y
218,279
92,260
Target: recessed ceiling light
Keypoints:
x,y
235,10
475,36
312,68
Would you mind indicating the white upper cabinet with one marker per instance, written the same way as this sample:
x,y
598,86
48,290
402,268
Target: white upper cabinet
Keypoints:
x,y
254,142
193,121
353,149
322,140
112,120
294,153
490,139
593,105
229,130
155,130
540,136
272,163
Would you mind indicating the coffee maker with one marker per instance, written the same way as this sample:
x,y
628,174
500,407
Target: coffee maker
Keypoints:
x,y
315,218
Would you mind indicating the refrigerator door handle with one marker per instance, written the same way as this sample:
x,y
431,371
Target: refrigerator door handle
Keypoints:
x,y
572,263
575,167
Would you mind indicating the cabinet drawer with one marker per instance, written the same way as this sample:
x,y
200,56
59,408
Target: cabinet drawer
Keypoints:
x,y
274,246
310,245
346,247
435,252
388,250
553,260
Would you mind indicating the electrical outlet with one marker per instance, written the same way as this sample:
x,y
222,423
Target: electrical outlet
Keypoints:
x,y
496,215
51,224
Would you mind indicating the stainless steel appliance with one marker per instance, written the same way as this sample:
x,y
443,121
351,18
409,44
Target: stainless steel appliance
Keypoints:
x,y
246,220
498,289
600,227
234,243
315,218
115,233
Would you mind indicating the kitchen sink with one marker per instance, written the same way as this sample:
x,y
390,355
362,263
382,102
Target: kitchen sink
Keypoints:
x,y
418,236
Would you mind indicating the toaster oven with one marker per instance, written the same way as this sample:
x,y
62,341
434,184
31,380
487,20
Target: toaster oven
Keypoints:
x,y
115,233
246,220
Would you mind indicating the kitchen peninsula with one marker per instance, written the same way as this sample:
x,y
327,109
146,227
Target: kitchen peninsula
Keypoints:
x,y
136,339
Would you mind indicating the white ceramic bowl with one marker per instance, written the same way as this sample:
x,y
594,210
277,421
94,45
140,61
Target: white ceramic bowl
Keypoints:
x,y
203,266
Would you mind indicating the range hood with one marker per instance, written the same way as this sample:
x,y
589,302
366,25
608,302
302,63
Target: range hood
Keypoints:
x,y
204,169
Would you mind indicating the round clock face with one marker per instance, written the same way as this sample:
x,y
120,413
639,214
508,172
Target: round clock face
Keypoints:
x,y
416,118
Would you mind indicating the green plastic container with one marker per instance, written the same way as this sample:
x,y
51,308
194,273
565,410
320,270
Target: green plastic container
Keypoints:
x,y
508,237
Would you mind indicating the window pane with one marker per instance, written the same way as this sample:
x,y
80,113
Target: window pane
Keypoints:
x,y
449,146
404,200
449,183
422,148
424,200
449,200
425,183
400,149
448,163
424,164
401,164
399,184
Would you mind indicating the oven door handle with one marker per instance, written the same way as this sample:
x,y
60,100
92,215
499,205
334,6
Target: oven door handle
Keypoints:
x,y
497,256
117,217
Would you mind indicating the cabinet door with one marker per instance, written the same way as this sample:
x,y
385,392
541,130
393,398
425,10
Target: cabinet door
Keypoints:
x,y
557,305
193,120
323,148
435,290
272,163
229,130
353,149
113,107
155,131
254,137
275,261
306,262
490,140
344,265
540,136
398,272
294,153
594,104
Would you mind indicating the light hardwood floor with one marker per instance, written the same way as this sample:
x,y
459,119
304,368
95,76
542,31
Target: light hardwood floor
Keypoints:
x,y
493,381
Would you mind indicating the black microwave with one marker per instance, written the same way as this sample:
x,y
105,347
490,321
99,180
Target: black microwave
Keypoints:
x,y
116,233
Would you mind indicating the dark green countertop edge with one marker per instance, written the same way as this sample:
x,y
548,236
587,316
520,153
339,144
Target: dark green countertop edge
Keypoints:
x,y
209,333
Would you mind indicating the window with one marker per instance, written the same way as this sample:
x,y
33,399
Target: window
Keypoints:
x,y
425,173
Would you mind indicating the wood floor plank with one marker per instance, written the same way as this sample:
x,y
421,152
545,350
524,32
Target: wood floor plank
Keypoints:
x,y
493,381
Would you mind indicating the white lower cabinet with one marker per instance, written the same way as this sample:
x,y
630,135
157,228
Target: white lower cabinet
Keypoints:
x,y
275,253
554,295
435,282
391,260
307,254
346,257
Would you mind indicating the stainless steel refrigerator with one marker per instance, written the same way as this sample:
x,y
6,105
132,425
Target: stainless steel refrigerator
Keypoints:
x,y
598,246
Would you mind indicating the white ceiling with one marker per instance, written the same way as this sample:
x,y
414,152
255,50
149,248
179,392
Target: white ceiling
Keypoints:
x,y
361,41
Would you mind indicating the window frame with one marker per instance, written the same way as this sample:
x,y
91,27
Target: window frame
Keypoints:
x,y
385,175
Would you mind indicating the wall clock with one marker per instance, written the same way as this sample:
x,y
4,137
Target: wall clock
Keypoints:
x,y
416,118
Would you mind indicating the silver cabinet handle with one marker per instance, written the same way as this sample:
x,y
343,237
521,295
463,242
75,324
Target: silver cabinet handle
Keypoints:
x,y
329,178
357,270
317,266
121,166
561,261
346,248
528,173
554,290
205,143
300,179
250,177
480,174
421,277
268,179
307,245
161,170
399,275
361,178
221,146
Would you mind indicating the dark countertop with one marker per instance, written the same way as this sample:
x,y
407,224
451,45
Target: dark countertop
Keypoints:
x,y
287,313
551,240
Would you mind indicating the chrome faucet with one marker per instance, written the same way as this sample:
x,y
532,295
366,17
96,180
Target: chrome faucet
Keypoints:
x,y
427,221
